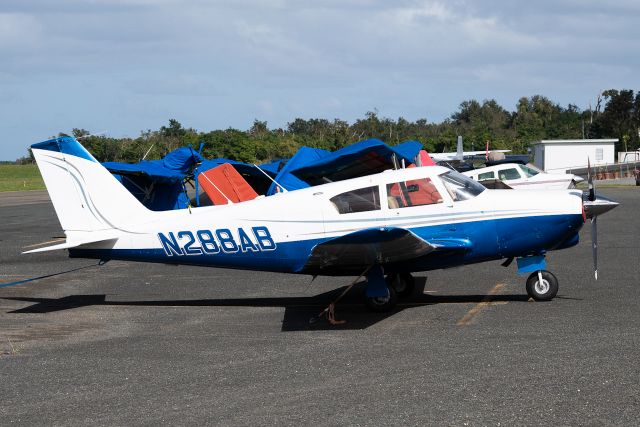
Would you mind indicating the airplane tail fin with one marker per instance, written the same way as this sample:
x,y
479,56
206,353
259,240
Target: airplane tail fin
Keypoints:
x,y
89,201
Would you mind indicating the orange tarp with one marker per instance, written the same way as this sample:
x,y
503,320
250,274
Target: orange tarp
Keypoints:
x,y
230,185
425,159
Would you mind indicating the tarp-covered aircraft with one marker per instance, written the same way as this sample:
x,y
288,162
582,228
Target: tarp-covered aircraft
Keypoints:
x,y
309,167
158,184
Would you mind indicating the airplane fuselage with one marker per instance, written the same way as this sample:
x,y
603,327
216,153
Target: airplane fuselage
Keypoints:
x,y
278,233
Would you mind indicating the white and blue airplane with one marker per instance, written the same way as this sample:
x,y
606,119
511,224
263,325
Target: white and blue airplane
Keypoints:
x,y
389,224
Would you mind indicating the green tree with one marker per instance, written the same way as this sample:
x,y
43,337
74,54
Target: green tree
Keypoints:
x,y
616,115
617,119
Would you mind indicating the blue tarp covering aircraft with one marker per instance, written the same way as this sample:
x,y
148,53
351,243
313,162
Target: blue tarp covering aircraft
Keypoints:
x,y
158,184
359,159
304,156
363,158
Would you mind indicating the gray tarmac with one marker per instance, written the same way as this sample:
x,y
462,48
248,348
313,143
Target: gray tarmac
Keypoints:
x,y
148,344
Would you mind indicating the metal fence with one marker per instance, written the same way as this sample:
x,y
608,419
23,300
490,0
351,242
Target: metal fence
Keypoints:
x,y
612,171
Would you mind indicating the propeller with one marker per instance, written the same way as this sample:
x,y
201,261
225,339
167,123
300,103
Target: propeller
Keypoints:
x,y
593,207
594,245
594,220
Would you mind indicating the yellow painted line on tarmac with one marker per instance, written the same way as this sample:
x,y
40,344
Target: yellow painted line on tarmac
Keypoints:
x,y
486,302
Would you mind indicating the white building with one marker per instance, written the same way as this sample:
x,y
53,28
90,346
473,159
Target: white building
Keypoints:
x,y
556,156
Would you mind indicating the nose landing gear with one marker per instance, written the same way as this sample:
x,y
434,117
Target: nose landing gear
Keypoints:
x,y
542,285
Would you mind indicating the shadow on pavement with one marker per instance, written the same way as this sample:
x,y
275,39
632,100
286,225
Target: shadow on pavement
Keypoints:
x,y
298,310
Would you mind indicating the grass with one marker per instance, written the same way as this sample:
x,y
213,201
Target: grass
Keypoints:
x,y
20,178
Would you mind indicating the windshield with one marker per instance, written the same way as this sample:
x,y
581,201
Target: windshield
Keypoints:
x,y
461,187
528,171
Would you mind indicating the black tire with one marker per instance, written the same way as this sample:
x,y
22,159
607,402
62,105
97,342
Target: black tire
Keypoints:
x,y
545,292
381,304
403,283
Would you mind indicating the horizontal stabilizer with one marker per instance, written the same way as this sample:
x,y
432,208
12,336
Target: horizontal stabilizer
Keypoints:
x,y
97,238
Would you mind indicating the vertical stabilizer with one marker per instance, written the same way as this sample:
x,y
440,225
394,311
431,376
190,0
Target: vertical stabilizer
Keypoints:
x,y
86,197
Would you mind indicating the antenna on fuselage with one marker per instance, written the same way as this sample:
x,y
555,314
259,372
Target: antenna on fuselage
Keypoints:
x,y
460,150
148,151
284,190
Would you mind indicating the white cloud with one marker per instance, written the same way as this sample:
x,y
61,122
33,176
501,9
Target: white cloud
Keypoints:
x,y
493,33
428,9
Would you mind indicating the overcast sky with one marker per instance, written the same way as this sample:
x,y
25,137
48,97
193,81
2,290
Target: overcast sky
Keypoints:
x,y
123,66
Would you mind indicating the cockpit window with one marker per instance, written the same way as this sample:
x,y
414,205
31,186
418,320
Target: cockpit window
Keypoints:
x,y
360,200
486,175
529,171
461,187
508,174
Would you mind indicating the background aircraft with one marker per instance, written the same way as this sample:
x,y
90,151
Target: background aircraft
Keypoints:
x,y
526,177
388,224
460,154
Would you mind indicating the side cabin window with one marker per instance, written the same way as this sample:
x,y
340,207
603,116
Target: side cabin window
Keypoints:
x,y
360,200
486,175
418,192
509,174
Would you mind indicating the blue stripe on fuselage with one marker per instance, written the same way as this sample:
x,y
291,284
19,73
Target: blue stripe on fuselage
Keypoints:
x,y
492,239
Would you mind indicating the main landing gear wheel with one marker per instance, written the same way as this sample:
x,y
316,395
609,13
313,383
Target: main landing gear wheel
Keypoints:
x,y
543,290
403,283
382,304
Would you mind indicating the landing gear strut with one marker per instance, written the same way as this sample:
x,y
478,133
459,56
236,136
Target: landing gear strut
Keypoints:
x,y
396,285
542,285
403,283
379,296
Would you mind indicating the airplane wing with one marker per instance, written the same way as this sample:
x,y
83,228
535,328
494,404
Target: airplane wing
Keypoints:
x,y
439,157
384,245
